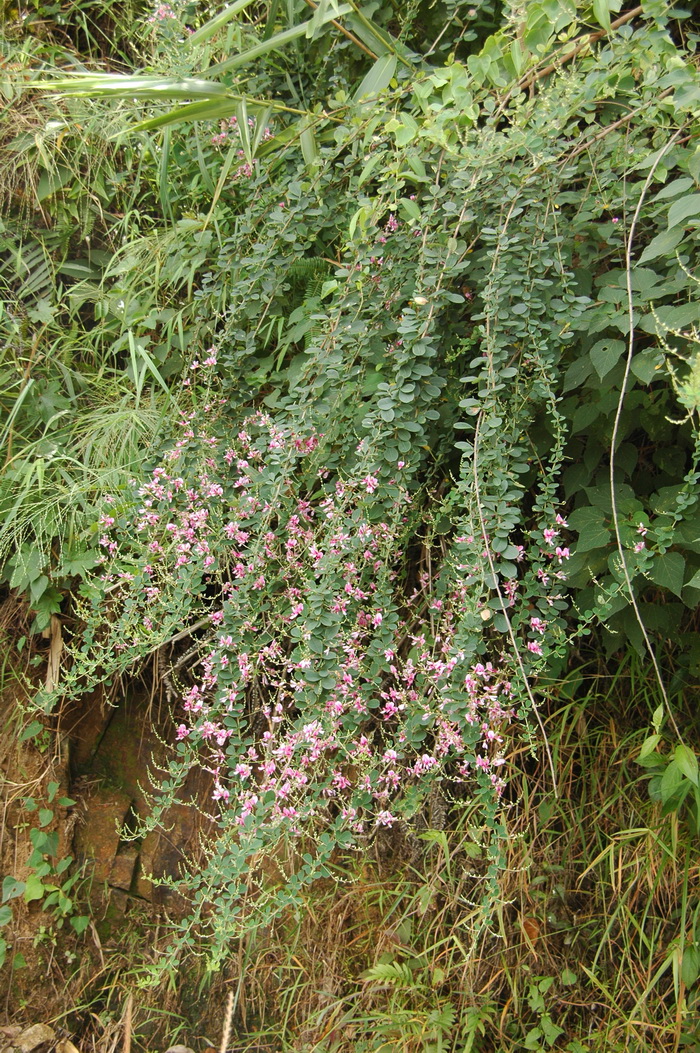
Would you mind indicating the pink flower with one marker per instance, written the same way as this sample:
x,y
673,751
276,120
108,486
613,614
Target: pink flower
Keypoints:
x,y
371,483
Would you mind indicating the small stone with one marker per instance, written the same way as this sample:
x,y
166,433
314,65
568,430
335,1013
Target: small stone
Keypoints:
x,y
35,1036
66,1046
179,1049
8,1035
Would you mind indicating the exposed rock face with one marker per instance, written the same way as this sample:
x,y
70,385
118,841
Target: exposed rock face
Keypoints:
x,y
113,757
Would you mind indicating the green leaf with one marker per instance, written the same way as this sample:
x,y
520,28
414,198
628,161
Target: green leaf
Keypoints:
x,y
11,888
690,966
275,43
668,571
649,745
44,312
694,582
31,731
210,28
124,86
309,146
34,889
601,11
673,189
662,245
687,762
45,816
377,78
27,568
605,355
694,165
405,131
645,365
5,916
682,210
592,529
670,781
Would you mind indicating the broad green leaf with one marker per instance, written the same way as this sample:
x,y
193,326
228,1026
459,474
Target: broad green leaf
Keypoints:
x,y
670,781
673,189
406,131
687,762
668,571
682,210
5,916
378,77
690,966
662,245
578,372
34,889
645,366
31,731
694,582
601,10
592,528
605,355
649,745
411,208
11,888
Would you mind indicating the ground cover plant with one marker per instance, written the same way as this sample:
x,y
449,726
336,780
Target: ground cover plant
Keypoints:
x,y
365,420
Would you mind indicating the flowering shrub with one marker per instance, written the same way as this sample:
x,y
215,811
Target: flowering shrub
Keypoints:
x,y
395,464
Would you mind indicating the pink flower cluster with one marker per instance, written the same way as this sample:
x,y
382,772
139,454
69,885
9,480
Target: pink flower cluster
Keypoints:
x,y
326,690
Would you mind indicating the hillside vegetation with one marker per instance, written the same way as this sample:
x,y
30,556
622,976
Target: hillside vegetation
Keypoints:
x,y
350,392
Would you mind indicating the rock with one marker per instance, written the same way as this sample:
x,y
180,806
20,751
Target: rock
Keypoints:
x,y
179,1049
122,873
98,838
35,1036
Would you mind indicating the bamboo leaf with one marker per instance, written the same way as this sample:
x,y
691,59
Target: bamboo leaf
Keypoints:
x,y
309,146
210,28
123,86
244,130
378,77
275,43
